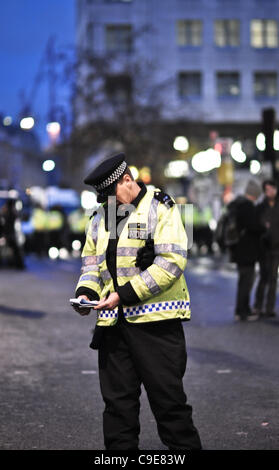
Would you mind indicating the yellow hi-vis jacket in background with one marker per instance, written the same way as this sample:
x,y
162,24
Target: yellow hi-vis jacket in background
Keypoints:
x,y
161,287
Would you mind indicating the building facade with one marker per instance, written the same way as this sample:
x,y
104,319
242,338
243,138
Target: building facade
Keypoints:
x,y
217,59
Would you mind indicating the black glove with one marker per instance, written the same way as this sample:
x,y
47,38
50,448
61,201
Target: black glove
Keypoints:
x,y
145,255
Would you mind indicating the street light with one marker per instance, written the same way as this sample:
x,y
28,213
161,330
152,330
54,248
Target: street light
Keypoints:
x,y
48,165
206,160
181,143
27,123
276,140
237,153
255,167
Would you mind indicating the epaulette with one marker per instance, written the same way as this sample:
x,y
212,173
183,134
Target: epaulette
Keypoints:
x,y
93,214
164,198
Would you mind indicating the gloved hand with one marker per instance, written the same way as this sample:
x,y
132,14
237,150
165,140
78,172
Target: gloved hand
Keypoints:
x,y
145,255
80,310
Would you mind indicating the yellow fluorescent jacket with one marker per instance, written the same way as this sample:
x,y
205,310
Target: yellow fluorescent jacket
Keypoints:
x,y
161,288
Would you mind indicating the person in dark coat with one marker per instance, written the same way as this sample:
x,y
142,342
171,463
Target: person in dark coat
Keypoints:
x,y
269,251
246,252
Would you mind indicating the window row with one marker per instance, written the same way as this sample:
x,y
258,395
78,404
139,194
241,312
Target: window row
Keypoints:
x,y
263,34
228,84
119,88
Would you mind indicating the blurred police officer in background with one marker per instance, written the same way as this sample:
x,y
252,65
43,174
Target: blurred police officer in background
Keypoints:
x,y
136,275
269,251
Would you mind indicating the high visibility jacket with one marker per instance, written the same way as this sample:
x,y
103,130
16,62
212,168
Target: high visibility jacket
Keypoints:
x,y
78,221
161,288
54,220
39,219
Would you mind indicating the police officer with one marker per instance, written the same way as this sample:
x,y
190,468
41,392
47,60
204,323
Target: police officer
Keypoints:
x,y
136,274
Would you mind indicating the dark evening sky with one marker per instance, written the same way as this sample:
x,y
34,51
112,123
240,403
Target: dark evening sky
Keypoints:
x,y
25,27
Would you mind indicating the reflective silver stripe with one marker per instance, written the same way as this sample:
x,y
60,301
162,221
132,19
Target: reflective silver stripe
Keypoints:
x,y
105,275
97,259
152,216
169,247
170,267
95,226
128,271
150,282
89,277
87,269
127,251
169,305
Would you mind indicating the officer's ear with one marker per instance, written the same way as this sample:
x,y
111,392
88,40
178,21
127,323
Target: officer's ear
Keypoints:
x,y
126,178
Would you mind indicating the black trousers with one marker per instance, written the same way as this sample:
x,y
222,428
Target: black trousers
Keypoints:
x,y
267,285
152,354
246,276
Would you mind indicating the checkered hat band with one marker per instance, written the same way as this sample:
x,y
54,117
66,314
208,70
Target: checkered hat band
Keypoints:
x,y
113,177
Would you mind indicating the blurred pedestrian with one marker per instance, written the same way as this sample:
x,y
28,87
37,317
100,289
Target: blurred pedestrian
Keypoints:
x,y
246,251
9,218
39,223
140,334
269,251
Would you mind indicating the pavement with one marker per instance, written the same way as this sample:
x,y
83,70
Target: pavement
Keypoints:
x,y
49,385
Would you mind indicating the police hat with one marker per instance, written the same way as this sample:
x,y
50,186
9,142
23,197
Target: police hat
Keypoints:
x,y
105,176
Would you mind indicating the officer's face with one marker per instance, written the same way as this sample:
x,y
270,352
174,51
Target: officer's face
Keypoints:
x,y
270,191
124,190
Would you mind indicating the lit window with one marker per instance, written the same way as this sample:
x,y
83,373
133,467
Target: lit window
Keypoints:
x,y
119,38
265,84
264,33
189,32
226,33
189,84
228,84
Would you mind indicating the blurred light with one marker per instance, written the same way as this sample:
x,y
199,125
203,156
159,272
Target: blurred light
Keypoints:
x,y
260,142
276,140
18,205
176,169
53,130
27,123
53,252
63,253
7,121
88,200
145,174
255,167
212,224
48,165
76,245
181,144
13,193
237,153
218,147
134,171
206,160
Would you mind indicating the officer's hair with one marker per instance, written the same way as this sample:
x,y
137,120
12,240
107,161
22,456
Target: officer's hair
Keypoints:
x,y
269,183
127,172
